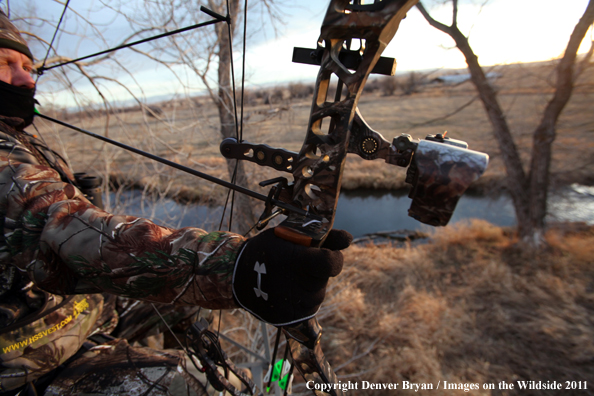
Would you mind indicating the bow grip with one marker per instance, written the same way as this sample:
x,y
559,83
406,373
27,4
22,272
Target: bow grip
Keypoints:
x,y
293,236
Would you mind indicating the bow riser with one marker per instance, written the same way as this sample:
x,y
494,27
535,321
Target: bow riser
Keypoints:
x,y
377,22
336,128
307,361
318,170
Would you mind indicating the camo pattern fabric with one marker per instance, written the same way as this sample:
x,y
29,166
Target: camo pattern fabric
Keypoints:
x,y
116,368
55,237
46,341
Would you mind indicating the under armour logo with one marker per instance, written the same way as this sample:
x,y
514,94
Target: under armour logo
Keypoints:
x,y
260,269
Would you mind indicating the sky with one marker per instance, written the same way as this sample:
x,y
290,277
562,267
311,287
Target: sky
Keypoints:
x,y
500,32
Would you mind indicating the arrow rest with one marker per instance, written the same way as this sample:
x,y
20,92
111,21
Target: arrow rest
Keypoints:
x,y
273,195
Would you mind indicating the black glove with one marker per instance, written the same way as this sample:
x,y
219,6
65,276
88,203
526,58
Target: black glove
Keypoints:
x,y
282,283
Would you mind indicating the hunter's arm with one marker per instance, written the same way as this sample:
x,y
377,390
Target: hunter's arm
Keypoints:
x,y
66,245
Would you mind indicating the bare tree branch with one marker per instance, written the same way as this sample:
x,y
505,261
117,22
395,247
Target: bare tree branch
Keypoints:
x,y
444,117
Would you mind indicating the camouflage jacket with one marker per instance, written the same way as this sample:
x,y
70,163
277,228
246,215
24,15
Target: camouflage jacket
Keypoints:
x,y
53,236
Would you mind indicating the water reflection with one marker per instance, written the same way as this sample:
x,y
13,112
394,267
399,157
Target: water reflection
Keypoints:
x,y
366,212
575,203
165,211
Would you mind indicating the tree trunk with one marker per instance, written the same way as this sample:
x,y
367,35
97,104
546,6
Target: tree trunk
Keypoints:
x,y
243,218
516,180
545,132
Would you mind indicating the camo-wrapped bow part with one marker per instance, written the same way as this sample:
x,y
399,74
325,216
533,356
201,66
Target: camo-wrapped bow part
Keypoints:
x,y
440,169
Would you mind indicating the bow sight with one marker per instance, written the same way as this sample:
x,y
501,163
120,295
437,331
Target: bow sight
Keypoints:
x,y
440,169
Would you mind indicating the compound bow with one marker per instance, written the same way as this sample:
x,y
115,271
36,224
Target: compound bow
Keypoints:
x,y
440,169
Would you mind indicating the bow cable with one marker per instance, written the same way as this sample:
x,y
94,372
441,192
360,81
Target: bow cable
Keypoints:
x,y
234,176
51,44
218,18
238,123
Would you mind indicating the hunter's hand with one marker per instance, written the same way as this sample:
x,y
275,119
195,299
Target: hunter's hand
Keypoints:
x,y
282,283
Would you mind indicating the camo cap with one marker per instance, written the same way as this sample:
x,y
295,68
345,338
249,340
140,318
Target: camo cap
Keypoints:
x,y
10,37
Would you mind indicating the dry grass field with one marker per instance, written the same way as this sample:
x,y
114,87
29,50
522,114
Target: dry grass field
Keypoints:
x,y
466,308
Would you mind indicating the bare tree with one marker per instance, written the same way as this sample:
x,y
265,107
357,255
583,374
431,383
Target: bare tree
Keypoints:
x,y
244,216
528,189
201,51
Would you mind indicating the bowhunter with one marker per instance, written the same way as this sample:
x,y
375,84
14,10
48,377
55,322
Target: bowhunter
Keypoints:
x,y
59,253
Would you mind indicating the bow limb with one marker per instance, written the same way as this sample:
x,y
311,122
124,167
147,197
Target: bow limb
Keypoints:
x,y
304,342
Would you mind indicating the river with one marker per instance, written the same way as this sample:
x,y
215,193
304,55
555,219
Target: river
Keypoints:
x,y
365,212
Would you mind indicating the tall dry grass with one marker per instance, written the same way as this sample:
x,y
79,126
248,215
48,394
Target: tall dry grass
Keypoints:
x,y
466,308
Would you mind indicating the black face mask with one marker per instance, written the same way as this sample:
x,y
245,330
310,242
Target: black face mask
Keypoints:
x,y
17,102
